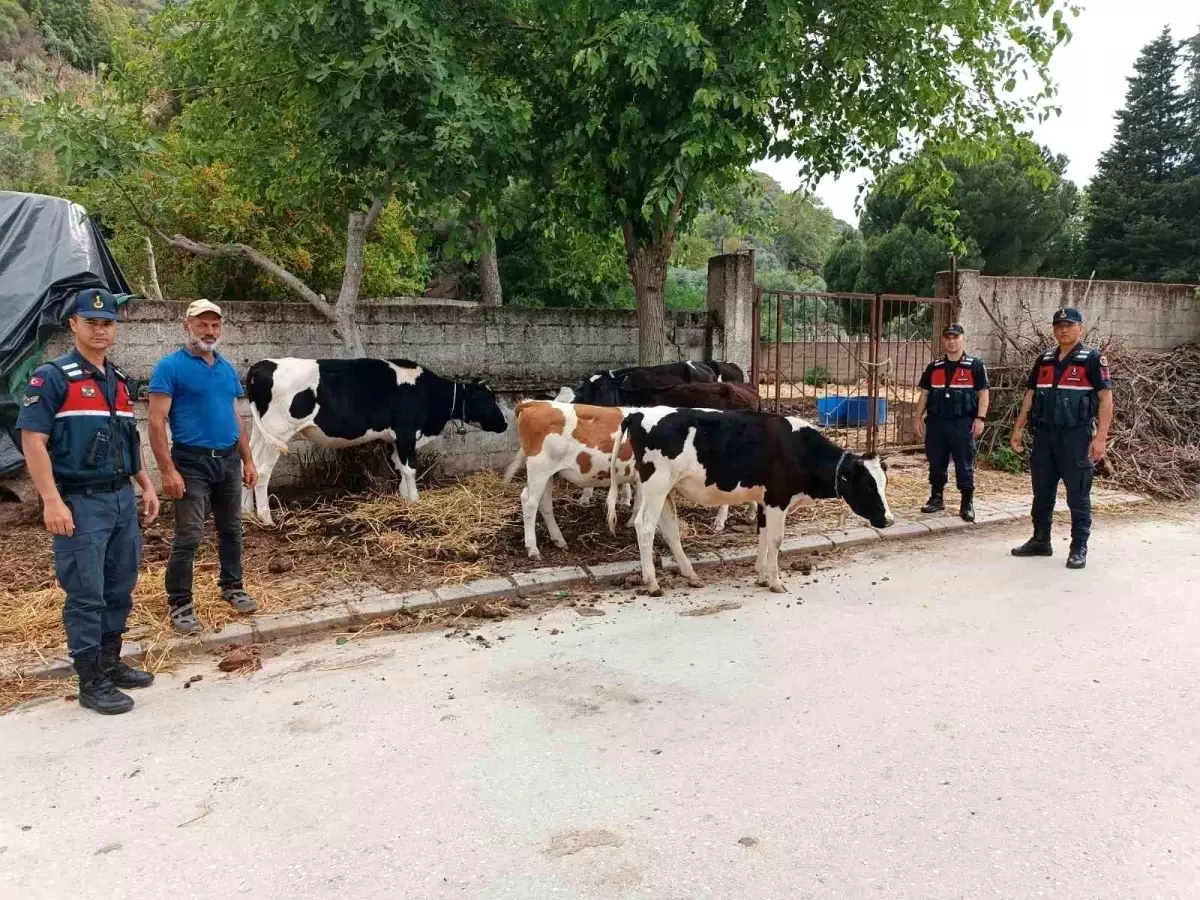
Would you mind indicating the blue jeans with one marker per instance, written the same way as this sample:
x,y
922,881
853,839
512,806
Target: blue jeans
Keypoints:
x,y
97,566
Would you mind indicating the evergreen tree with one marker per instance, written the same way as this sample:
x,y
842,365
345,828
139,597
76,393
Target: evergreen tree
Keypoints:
x,y
1136,228
1191,100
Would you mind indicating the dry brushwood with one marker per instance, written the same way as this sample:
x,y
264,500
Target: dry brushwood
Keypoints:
x,y
1154,442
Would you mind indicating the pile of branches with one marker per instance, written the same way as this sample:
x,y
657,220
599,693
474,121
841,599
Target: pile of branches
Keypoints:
x,y
1154,442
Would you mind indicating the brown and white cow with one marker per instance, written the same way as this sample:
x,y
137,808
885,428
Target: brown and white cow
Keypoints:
x,y
574,442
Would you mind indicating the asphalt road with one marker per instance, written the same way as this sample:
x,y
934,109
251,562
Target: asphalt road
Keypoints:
x,y
934,720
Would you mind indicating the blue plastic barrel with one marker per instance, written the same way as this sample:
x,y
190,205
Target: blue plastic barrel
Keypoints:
x,y
849,412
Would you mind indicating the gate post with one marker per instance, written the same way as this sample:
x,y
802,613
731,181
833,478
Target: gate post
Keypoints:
x,y
756,343
872,372
731,305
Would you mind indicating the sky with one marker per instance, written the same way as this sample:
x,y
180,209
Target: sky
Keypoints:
x,y
1091,74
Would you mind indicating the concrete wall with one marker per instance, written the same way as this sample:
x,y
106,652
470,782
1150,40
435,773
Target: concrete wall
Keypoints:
x,y
519,351
1145,316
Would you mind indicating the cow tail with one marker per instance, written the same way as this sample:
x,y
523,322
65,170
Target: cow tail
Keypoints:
x,y
514,465
613,488
258,429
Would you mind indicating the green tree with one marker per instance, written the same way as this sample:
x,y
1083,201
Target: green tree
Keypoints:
x,y
643,110
69,28
1137,227
844,261
1011,203
14,24
805,231
902,261
313,109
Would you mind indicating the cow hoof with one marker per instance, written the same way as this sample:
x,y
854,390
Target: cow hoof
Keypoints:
x,y
778,588
561,544
655,591
535,554
696,581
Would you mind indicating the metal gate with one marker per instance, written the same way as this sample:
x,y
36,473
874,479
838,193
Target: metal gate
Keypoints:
x,y
848,362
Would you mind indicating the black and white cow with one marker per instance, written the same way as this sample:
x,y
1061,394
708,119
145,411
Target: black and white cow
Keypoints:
x,y
714,458
621,387
340,403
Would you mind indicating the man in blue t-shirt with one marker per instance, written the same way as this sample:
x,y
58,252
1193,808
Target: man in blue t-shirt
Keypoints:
x,y
207,464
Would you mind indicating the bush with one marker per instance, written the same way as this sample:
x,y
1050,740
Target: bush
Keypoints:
x,y
818,376
1005,460
686,289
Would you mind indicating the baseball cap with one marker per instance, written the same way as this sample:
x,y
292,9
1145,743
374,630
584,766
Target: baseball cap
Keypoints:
x,y
95,303
1067,314
196,307
954,328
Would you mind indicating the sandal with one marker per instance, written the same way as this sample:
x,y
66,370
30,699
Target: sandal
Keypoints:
x,y
183,619
239,600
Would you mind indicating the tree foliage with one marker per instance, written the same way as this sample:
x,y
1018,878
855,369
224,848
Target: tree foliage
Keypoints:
x,y
311,113
1144,203
642,111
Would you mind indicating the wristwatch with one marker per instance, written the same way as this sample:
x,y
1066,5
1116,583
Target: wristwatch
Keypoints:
x,y
981,418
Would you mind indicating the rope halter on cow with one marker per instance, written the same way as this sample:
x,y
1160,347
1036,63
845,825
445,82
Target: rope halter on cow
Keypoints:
x,y
837,491
461,428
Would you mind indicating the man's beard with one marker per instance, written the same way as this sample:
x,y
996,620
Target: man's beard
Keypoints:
x,y
205,345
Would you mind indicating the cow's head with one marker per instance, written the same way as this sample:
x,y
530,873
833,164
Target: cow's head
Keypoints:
x,y
601,389
480,408
863,485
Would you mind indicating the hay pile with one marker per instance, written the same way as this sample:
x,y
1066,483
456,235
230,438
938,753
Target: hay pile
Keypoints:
x,y
461,525
1154,442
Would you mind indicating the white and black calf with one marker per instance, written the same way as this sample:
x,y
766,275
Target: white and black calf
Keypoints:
x,y
718,458
339,403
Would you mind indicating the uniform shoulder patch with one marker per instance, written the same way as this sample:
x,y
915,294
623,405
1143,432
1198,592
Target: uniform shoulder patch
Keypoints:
x,y
30,399
36,381
1104,360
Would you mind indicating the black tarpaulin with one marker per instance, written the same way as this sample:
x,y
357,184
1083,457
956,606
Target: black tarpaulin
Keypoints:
x,y
49,249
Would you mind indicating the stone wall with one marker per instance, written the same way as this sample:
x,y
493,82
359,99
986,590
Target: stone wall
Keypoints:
x,y
1145,316
518,350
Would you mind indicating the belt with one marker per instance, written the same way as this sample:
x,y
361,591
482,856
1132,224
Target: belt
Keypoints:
x,y
205,451
94,487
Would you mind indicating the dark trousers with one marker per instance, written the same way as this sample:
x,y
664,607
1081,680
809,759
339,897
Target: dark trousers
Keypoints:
x,y
209,484
97,566
946,439
1062,454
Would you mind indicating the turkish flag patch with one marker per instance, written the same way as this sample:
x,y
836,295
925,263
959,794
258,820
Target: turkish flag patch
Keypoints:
x,y
37,381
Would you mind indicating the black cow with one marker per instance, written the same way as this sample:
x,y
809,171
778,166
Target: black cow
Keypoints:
x,y
719,458
618,387
343,402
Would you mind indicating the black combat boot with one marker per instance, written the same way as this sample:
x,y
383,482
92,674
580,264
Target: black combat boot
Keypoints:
x,y
966,506
1077,558
96,691
119,673
935,503
1038,545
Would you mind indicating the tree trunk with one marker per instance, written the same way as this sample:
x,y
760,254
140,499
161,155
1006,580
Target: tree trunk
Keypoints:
x,y
342,314
346,327
648,271
155,288
346,308
490,290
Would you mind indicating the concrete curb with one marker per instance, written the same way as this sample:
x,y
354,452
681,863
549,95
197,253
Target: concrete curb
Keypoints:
x,y
355,608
